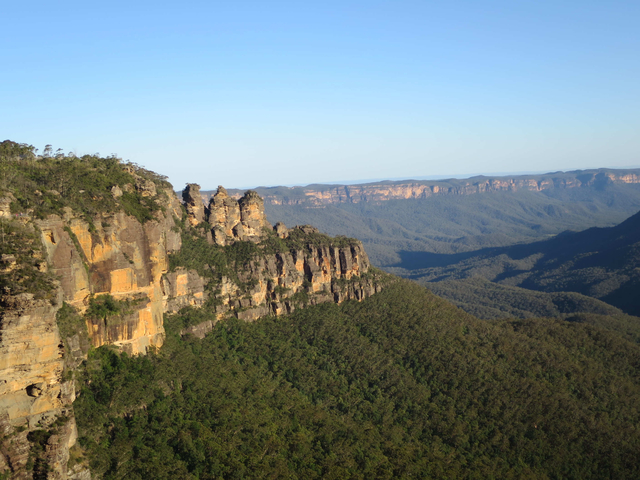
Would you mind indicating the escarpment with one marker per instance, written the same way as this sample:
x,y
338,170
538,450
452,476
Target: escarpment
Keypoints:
x,y
118,256
101,262
266,270
34,396
62,250
308,268
319,195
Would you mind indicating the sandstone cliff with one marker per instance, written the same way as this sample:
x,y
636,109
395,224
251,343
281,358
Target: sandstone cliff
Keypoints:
x,y
318,195
117,256
112,237
34,395
117,271
279,269
307,270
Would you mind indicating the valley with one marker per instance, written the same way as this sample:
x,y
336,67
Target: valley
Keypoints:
x,y
520,238
146,335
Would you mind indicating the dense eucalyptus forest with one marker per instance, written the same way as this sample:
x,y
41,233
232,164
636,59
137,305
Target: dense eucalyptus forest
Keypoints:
x,y
401,385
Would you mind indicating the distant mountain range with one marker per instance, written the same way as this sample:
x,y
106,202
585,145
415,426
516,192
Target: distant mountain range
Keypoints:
x,y
449,224
319,194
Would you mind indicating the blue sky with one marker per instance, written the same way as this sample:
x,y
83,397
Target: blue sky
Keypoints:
x,y
250,93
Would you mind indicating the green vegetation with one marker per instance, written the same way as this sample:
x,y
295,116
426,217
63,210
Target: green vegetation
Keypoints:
x,y
458,237
45,185
37,462
23,267
142,208
108,309
598,262
69,321
400,385
75,338
189,316
488,300
213,261
300,240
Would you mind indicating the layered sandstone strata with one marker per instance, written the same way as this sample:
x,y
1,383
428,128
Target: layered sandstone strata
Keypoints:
x,y
276,284
33,394
230,219
118,256
414,189
193,203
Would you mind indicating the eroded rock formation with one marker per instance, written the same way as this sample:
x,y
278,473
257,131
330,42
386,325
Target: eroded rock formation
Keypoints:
x,y
121,257
33,394
232,220
276,284
193,203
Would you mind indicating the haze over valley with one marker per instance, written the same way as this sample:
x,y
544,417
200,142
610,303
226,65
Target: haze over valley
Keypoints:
x,y
159,322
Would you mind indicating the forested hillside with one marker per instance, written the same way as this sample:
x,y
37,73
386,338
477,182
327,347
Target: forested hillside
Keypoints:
x,y
499,236
488,300
598,262
400,385
94,252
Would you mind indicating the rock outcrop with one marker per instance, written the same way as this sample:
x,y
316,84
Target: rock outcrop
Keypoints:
x,y
193,203
30,358
276,284
5,205
108,254
182,288
232,220
117,256
33,395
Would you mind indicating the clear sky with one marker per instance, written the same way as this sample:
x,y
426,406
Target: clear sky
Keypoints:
x,y
248,93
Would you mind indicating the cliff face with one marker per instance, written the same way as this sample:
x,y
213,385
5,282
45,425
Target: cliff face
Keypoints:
x,y
33,394
410,189
277,283
307,268
31,358
115,254
118,256
193,203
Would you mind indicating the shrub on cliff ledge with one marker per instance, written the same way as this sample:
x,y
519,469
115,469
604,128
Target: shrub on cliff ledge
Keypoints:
x,y
22,264
108,309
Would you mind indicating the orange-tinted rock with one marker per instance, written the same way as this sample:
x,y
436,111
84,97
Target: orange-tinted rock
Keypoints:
x,y
321,273
233,220
121,257
193,203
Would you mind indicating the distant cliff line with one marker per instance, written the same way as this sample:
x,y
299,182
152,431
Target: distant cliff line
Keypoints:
x,y
320,195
